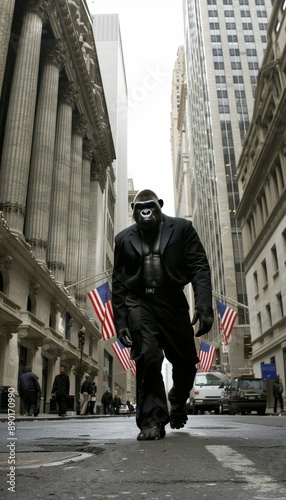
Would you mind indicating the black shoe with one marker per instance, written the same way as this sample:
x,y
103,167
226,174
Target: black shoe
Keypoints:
x,y
178,416
152,430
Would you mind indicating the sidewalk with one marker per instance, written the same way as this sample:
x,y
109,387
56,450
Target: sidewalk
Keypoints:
x,y
54,416
72,415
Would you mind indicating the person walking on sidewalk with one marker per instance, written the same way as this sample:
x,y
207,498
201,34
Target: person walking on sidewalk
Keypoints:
x,y
86,391
29,389
61,389
106,401
277,393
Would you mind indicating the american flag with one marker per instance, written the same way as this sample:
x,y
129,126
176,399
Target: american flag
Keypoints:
x,y
122,354
227,320
100,298
206,355
133,367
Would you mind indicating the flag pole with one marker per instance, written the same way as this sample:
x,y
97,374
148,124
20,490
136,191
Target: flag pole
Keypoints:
x,y
91,277
231,301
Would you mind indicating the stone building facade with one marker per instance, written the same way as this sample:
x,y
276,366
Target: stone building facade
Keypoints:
x,y
262,209
56,190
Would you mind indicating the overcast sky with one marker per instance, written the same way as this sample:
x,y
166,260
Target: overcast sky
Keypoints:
x,y
151,31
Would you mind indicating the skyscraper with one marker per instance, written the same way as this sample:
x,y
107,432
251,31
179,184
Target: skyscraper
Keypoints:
x,y
107,35
224,44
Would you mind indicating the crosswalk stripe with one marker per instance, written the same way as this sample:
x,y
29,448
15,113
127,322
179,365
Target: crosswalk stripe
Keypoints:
x,y
245,469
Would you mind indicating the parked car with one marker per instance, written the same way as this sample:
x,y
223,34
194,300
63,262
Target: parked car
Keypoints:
x,y
244,395
123,408
206,392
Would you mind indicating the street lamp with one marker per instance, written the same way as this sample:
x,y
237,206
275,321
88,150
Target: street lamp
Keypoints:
x,y
81,340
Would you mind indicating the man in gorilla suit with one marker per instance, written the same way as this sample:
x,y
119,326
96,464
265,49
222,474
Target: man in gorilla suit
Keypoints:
x,y
153,260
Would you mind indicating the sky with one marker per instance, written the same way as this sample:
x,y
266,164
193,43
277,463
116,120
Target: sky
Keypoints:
x,y
151,32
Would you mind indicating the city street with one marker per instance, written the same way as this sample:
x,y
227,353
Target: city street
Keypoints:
x,y
213,457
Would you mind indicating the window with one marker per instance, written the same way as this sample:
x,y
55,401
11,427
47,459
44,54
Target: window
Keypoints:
x,y
268,313
274,258
230,26
236,65
255,284
251,52
234,52
222,93
264,272
218,65
213,13
217,52
259,322
237,79
249,38
247,26
220,79
280,305
215,38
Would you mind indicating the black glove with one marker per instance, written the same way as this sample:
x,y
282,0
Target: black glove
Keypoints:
x,y
205,315
124,337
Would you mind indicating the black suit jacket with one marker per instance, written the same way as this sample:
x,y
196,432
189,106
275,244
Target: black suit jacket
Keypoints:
x,y
182,255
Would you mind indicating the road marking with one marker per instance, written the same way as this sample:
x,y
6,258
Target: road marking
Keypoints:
x,y
245,469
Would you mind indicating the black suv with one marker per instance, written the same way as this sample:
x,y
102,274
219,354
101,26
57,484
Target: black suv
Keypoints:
x,y
246,394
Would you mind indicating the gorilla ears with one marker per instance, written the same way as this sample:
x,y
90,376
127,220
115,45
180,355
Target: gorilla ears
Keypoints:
x,y
132,205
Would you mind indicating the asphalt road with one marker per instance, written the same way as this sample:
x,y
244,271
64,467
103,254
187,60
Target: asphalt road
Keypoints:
x,y
213,457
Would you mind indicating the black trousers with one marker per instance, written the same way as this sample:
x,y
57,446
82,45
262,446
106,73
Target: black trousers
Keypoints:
x,y
29,400
160,325
280,399
62,404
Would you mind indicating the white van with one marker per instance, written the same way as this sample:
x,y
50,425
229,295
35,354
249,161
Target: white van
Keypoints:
x,y
206,392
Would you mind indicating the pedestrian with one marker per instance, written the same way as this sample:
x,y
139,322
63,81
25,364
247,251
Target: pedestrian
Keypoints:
x,y
277,393
116,405
29,389
130,407
153,260
106,401
61,389
86,391
92,401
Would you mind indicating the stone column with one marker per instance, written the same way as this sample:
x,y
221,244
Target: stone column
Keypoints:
x,y
73,233
6,17
84,220
56,253
41,169
20,118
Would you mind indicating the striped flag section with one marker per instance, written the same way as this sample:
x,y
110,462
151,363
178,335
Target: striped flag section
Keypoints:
x,y
206,356
133,367
122,354
227,319
100,298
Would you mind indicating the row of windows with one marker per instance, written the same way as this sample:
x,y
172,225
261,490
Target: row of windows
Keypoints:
x,y
241,2
271,309
267,199
243,13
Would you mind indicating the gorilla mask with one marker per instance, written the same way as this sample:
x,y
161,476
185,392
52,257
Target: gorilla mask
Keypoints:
x,y
147,210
